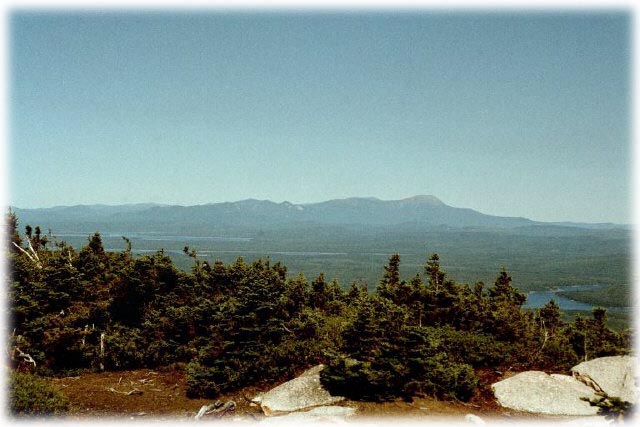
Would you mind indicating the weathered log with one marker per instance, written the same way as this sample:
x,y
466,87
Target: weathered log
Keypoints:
x,y
203,411
229,406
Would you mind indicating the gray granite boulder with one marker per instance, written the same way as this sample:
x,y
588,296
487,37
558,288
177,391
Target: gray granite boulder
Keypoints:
x,y
300,393
613,375
537,392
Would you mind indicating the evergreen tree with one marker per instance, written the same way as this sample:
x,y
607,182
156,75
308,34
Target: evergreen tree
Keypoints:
x,y
13,236
319,293
435,280
388,285
551,345
504,292
507,320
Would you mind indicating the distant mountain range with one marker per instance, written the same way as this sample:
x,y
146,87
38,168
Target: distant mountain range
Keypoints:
x,y
419,211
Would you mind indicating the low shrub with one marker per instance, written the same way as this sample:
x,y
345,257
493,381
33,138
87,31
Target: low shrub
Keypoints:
x,y
32,395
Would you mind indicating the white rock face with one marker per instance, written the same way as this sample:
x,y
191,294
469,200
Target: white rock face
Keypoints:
x,y
613,375
537,392
300,393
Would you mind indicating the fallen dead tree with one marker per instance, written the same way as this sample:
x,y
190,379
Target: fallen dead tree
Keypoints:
x,y
218,409
22,358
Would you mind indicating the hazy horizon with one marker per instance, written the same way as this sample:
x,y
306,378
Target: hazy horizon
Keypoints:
x,y
507,113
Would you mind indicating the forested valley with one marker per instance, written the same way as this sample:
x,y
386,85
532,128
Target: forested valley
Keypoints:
x,y
73,310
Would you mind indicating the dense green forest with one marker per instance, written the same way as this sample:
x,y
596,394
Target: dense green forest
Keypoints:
x,y
609,296
241,323
539,258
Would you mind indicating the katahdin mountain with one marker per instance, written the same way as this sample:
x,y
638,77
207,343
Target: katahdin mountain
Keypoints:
x,y
421,212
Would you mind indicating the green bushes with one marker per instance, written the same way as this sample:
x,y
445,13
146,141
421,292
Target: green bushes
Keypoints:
x,y
31,395
265,333
384,380
202,381
476,348
357,380
411,362
124,349
426,338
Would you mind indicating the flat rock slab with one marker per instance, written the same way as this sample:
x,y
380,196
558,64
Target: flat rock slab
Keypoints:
x,y
598,421
613,375
300,393
537,392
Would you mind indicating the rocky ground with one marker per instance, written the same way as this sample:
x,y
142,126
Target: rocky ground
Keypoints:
x,y
153,394
533,396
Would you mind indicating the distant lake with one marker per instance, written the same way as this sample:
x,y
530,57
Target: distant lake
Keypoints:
x,y
537,299
205,252
150,236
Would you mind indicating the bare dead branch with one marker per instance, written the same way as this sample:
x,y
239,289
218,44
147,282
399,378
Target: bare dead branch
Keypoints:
x,y
33,251
24,357
34,260
126,393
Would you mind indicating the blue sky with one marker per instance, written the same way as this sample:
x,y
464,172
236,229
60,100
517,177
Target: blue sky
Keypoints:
x,y
515,114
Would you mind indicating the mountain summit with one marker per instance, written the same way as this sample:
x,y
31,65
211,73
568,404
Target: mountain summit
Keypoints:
x,y
424,199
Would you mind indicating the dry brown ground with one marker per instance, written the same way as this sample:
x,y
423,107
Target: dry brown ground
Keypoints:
x,y
163,396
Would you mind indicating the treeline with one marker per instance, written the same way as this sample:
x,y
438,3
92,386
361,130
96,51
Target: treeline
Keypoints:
x,y
238,324
607,295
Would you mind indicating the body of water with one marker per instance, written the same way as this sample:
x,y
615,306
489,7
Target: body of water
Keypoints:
x,y
537,299
261,253
157,237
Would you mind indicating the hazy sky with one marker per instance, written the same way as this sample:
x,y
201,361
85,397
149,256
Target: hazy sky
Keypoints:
x,y
509,114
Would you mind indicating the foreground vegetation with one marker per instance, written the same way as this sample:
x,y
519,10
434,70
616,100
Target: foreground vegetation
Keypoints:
x,y
242,323
33,396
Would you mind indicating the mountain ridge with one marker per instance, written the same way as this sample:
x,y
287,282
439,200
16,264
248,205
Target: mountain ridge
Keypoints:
x,y
421,210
